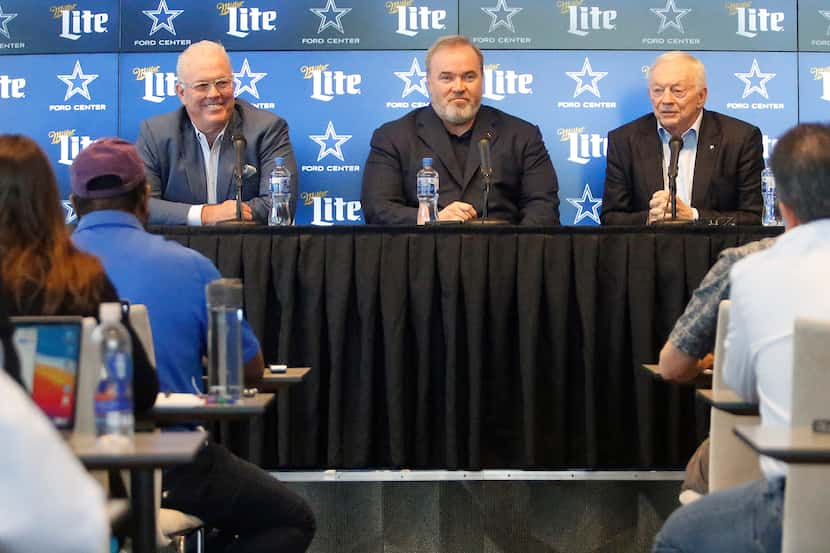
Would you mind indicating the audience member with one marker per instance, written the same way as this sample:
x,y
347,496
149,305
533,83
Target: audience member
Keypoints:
x,y
110,194
767,295
720,163
189,154
524,186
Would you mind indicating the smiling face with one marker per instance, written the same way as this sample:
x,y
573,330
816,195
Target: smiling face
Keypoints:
x,y
676,94
205,88
455,86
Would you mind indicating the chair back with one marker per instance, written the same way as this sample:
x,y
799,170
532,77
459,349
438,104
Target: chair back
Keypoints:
x,y
88,374
140,321
731,462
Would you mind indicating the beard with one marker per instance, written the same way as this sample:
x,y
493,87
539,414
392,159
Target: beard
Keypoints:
x,y
456,115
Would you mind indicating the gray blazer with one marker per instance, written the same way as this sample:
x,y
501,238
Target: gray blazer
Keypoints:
x,y
175,170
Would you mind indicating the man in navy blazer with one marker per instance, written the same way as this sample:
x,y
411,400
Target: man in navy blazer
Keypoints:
x,y
720,163
189,154
524,186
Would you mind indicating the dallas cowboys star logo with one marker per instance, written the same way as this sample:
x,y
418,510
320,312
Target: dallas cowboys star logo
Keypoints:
x,y
168,15
330,16
824,14
4,22
670,16
330,136
420,85
72,88
583,212
761,86
246,80
69,212
588,72
502,16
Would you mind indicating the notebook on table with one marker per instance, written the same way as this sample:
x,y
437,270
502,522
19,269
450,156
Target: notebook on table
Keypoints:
x,y
50,354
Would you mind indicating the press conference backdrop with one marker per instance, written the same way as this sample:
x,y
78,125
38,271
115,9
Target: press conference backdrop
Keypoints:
x,y
336,69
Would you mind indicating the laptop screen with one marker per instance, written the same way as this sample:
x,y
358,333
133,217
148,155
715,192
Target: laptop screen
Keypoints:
x,y
50,351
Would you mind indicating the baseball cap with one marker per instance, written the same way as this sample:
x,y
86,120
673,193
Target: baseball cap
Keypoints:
x,y
106,156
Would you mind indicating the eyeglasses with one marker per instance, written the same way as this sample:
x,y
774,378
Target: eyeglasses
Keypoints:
x,y
222,84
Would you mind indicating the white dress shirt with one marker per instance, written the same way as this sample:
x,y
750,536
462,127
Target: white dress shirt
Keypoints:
x,y
47,500
210,157
685,161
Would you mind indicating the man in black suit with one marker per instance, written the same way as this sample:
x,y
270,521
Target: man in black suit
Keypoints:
x,y
524,186
720,163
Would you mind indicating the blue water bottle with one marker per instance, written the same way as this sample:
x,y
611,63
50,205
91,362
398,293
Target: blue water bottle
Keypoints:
x,y
427,191
280,185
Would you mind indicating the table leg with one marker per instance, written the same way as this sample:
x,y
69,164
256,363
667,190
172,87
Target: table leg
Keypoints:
x,y
144,511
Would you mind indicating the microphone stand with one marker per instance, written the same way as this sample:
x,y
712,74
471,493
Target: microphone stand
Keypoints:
x,y
239,146
672,174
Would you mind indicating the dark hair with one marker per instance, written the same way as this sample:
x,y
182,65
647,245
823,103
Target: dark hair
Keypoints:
x,y
801,164
131,202
37,258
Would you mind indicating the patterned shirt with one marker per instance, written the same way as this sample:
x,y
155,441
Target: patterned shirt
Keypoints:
x,y
694,331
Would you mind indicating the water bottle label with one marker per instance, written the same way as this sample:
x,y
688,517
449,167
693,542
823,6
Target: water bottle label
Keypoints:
x,y
280,185
427,186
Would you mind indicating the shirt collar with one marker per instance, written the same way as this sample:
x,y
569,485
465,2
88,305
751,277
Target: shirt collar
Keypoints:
x,y
108,217
202,137
693,131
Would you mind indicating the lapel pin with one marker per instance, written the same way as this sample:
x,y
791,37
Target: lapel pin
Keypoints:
x,y
711,146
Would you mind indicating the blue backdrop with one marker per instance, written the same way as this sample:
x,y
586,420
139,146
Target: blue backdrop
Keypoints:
x,y
336,69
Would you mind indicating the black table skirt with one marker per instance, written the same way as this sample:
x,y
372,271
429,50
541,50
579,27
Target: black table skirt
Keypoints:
x,y
471,347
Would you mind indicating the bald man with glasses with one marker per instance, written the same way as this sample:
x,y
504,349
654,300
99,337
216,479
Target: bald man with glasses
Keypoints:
x,y
189,154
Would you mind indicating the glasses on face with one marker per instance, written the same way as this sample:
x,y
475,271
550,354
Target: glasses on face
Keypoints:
x,y
222,84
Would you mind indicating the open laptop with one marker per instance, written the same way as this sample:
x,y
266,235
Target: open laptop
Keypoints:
x,y
50,356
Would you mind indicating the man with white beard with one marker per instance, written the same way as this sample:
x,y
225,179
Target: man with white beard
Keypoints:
x,y
524,187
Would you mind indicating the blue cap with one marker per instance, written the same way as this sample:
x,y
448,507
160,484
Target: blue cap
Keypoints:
x,y
426,161
279,161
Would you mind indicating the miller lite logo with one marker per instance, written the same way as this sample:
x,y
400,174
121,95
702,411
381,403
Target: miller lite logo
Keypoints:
x,y
242,20
326,84
12,87
413,19
501,82
582,146
328,211
158,85
76,23
584,19
69,144
752,21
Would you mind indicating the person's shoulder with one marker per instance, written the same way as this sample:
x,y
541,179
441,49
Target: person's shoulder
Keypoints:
x,y
506,119
728,123
409,119
642,123
170,119
170,251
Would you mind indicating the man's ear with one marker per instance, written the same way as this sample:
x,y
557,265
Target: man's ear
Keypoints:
x,y
790,219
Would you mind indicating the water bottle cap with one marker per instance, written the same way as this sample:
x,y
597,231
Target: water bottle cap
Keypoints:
x,y
427,161
279,161
110,312
224,292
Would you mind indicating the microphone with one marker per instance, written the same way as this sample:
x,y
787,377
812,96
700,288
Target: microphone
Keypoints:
x,y
675,145
486,171
239,144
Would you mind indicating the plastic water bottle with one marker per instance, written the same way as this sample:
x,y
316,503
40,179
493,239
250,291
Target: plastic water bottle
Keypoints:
x,y
427,190
771,215
114,392
225,365
280,185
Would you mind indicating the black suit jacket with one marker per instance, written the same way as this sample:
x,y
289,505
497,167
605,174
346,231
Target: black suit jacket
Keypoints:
x,y
727,178
524,186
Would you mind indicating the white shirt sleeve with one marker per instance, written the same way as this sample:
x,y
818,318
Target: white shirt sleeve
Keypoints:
x,y
194,215
47,500
738,370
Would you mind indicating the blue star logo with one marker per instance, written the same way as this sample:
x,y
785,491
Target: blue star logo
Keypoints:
x,y
330,16
761,86
502,16
586,206
586,73
168,15
670,16
331,137
4,22
420,85
246,80
69,212
72,88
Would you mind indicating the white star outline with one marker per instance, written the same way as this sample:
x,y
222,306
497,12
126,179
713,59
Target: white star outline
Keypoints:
x,y
162,9
326,21
824,13
676,12
4,22
408,77
497,21
323,139
73,89
579,204
761,87
252,77
586,71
